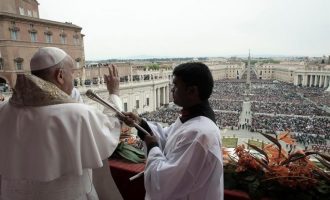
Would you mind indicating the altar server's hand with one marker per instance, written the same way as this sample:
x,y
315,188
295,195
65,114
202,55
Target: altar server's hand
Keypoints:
x,y
151,141
130,118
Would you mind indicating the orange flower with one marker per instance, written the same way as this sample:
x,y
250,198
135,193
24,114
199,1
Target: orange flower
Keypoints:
x,y
286,137
225,155
294,170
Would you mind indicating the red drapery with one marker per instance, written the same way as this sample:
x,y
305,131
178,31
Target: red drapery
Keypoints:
x,y
134,190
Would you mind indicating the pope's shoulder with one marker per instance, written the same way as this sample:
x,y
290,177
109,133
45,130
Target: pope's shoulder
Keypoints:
x,y
56,109
75,107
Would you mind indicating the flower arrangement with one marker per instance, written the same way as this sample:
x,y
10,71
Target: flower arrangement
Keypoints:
x,y
272,172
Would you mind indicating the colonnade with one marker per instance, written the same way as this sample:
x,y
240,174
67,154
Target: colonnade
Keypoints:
x,y
309,80
161,95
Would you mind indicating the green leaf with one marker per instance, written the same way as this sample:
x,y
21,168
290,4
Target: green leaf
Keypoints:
x,y
139,152
129,155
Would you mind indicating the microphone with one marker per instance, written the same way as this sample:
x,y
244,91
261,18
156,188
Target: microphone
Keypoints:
x,y
92,95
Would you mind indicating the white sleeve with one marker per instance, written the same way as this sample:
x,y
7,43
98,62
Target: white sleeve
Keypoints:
x,y
160,132
106,132
173,176
114,101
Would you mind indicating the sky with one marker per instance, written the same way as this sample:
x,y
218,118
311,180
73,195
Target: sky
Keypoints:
x,y
196,28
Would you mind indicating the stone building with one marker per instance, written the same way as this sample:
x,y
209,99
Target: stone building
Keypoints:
x,y
302,74
229,70
22,32
138,94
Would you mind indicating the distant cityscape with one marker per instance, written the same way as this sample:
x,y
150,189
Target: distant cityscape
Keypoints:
x,y
272,59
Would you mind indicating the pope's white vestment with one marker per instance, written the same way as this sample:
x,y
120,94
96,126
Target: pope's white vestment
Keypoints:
x,y
47,152
188,162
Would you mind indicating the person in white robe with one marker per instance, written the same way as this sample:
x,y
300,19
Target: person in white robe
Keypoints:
x,y
184,160
75,94
49,143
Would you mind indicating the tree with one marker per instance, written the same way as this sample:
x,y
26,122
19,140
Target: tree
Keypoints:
x,y
153,66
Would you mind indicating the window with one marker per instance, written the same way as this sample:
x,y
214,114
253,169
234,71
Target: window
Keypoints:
x,y
137,104
76,39
78,62
33,33
63,39
19,65
148,101
35,14
21,11
48,35
49,39
29,13
14,35
33,36
14,31
125,107
1,63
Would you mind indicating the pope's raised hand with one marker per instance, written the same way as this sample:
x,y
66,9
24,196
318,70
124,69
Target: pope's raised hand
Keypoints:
x,y
112,80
